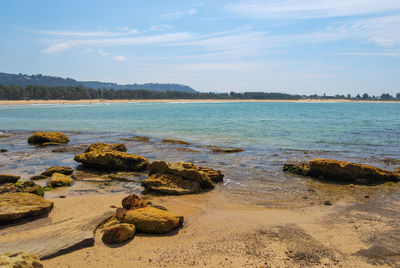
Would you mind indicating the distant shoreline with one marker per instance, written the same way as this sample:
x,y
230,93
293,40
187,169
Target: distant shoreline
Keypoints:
x,y
25,102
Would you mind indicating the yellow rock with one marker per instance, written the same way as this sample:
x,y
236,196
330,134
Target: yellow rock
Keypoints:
x,y
48,137
19,260
58,180
151,220
118,233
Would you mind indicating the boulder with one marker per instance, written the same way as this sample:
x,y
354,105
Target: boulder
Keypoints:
x,y
106,147
63,170
113,160
118,233
48,137
59,180
187,171
300,168
133,202
4,178
350,172
215,175
16,206
150,219
171,185
29,187
19,260
175,141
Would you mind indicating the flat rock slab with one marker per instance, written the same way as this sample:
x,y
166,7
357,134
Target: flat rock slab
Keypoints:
x,y
17,206
70,226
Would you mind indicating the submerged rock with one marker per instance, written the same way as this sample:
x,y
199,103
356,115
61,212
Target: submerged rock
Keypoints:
x,y
118,233
150,219
342,171
37,177
4,178
17,206
59,180
58,169
350,172
106,147
113,160
217,149
48,137
19,260
175,141
133,202
300,168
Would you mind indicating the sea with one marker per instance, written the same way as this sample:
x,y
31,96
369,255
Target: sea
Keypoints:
x,y
270,134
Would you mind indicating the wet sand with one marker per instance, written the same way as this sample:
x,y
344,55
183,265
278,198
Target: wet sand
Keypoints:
x,y
277,220
23,102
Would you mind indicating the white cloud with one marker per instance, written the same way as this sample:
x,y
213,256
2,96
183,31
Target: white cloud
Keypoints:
x,y
160,27
179,14
120,58
88,34
308,9
57,48
101,52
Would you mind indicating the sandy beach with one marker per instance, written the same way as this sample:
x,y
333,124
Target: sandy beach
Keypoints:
x,y
23,102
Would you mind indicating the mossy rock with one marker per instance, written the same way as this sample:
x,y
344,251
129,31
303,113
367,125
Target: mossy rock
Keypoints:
x,y
40,138
60,180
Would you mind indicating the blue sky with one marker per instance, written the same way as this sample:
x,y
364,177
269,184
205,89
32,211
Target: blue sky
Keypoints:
x,y
306,47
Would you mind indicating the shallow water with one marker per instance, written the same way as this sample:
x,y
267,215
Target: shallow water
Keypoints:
x,y
269,133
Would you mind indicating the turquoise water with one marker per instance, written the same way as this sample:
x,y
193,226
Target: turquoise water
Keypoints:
x,y
358,127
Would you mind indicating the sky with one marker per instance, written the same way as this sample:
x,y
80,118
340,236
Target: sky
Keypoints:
x,y
291,46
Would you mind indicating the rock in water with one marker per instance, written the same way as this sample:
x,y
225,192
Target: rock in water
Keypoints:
x,y
175,141
106,147
350,172
151,220
59,180
300,168
4,178
118,233
16,206
171,185
19,260
133,202
113,160
215,175
63,170
48,137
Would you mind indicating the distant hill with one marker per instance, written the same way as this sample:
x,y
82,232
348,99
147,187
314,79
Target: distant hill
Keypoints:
x,y
53,81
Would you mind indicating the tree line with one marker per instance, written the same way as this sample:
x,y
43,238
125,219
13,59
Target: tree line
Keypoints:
x,y
38,92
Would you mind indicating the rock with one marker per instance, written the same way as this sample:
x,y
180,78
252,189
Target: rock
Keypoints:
x,y
215,175
37,177
59,180
47,137
63,170
175,141
19,260
16,206
30,187
3,150
4,178
187,171
217,149
151,220
106,147
9,188
300,168
171,185
133,202
350,172
397,170
118,233
113,160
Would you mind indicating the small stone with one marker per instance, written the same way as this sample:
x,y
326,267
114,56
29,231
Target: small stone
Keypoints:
x,y
327,203
3,150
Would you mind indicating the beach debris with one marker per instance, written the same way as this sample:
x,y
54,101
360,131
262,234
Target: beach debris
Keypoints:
x,y
133,201
111,157
17,206
3,150
19,260
58,169
180,178
59,180
4,178
48,138
106,147
118,233
343,171
150,219
227,150
175,141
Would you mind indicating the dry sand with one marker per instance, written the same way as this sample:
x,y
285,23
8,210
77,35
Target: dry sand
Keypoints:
x,y
23,102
